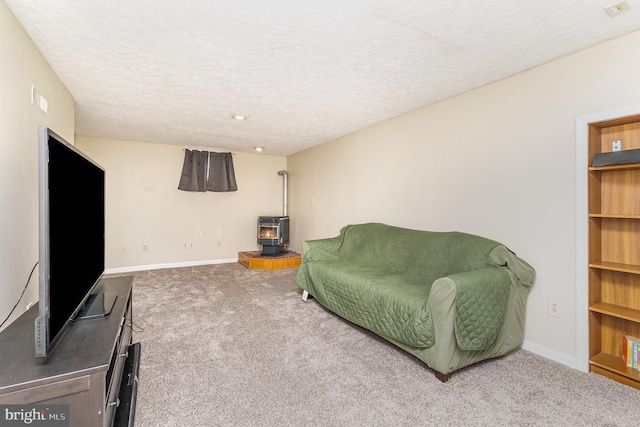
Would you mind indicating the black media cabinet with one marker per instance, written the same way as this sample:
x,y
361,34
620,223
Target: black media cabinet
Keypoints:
x,y
93,368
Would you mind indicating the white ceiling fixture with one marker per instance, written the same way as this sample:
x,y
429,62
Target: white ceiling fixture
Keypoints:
x,y
309,71
617,9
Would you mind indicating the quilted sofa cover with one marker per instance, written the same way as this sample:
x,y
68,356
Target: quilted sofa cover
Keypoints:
x,y
449,298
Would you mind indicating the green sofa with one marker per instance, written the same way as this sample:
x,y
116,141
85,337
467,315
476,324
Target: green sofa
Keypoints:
x,y
451,299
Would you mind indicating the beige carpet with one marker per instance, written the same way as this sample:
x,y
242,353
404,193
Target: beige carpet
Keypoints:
x,y
227,346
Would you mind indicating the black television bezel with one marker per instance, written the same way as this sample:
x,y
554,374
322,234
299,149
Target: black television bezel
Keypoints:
x,y
45,338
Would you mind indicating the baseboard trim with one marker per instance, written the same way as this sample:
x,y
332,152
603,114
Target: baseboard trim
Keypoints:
x,y
556,356
134,268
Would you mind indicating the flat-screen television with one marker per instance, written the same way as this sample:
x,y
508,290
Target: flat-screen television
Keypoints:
x,y
71,198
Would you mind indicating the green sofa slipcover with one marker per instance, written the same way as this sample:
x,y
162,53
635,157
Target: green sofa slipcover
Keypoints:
x,y
449,298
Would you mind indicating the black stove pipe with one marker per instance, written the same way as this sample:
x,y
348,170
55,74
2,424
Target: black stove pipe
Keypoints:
x,y
284,174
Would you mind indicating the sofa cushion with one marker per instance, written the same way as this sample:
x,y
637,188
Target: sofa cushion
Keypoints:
x,y
392,304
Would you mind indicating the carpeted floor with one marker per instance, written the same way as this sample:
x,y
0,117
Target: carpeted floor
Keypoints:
x,y
226,346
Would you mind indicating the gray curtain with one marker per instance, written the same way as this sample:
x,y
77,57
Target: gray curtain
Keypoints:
x,y
222,177
194,171
207,171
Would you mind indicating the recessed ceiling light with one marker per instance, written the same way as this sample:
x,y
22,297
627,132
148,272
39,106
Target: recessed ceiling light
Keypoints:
x,y
239,117
258,149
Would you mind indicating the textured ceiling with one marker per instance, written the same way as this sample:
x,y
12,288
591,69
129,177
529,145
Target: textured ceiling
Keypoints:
x,y
303,71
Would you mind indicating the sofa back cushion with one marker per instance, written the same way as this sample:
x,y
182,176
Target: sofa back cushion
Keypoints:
x,y
396,249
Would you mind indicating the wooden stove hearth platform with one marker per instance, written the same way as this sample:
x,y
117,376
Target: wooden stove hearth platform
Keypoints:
x,y
255,260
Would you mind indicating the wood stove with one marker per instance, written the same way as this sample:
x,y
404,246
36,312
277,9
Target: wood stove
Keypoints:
x,y
273,234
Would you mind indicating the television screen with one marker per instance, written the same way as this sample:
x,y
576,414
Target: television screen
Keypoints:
x,y
72,226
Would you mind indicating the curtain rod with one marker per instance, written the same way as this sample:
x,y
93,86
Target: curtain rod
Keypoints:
x,y
232,153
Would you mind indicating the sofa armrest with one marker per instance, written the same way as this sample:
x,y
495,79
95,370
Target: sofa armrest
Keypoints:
x,y
481,278
522,270
480,305
315,250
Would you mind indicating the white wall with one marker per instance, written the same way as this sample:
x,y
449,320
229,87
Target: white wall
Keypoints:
x,y
23,66
144,205
498,161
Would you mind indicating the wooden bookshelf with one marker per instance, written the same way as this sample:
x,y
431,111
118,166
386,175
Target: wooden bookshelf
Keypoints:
x,y
614,250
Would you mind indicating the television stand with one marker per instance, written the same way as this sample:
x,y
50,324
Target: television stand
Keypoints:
x,y
92,370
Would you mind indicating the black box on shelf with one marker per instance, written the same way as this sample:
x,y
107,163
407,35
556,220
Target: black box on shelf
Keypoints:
x,y
617,158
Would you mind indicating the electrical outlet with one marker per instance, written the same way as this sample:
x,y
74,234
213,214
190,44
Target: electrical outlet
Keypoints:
x,y
145,247
616,145
553,308
198,233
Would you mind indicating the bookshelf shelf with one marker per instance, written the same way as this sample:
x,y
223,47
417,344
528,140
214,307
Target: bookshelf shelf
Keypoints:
x,y
630,166
616,311
614,266
614,216
614,364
